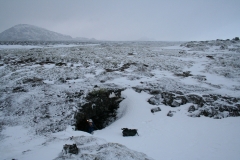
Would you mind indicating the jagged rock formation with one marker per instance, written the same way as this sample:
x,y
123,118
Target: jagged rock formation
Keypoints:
x,y
214,106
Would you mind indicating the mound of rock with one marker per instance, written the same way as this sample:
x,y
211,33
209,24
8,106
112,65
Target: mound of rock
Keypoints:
x,y
219,43
94,148
214,106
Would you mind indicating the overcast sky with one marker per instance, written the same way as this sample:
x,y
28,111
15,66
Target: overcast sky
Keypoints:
x,y
178,20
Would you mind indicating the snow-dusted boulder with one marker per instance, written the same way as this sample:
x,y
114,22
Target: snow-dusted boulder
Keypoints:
x,y
95,148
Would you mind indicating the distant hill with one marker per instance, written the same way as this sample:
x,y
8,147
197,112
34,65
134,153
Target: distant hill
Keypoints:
x,y
25,32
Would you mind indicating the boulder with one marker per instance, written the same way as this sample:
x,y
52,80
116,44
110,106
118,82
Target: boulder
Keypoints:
x,y
156,109
191,109
170,113
192,98
167,98
70,149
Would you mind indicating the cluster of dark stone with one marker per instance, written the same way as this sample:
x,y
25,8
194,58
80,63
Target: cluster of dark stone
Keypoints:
x,y
129,132
31,60
212,105
223,44
126,66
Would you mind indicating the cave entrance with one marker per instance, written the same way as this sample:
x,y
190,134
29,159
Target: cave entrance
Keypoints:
x,y
101,107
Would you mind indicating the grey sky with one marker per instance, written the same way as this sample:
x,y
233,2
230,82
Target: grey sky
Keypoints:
x,y
127,19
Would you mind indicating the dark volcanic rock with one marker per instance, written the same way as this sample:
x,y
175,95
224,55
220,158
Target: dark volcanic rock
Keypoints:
x,y
184,74
156,100
19,89
168,98
195,99
191,109
72,149
170,113
214,106
61,64
172,100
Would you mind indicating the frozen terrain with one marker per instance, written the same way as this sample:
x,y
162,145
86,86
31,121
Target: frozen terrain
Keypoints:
x,y
195,84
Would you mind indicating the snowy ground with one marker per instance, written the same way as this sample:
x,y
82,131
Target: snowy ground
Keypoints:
x,y
32,109
177,137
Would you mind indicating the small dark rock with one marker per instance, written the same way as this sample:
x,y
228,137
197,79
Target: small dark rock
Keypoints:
x,y
62,80
170,113
61,64
155,92
184,74
236,39
211,57
19,89
72,149
156,109
191,109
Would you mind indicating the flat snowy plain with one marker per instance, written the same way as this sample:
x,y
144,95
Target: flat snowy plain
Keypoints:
x,y
179,137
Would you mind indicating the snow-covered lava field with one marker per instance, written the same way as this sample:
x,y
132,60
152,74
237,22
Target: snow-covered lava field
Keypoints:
x,y
196,85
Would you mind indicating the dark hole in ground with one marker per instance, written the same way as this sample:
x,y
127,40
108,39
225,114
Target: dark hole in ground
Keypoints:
x,y
101,107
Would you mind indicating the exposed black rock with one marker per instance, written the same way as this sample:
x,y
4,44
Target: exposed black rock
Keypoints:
x,y
62,80
61,64
172,100
129,132
125,66
19,89
156,100
156,109
195,99
214,106
170,113
236,39
33,81
70,149
168,98
45,62
184,74
211,57
191,109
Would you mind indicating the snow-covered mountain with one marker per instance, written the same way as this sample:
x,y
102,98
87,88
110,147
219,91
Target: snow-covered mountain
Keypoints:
x,y
47,91
25,32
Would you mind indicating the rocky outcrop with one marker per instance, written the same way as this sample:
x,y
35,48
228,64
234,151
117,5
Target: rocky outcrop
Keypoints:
x,y
205,45
213,106
93,148
184,74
